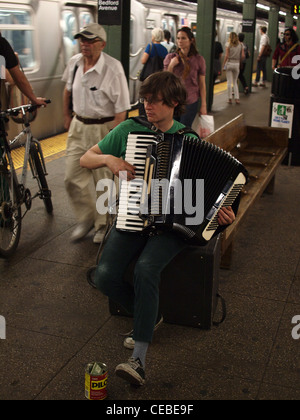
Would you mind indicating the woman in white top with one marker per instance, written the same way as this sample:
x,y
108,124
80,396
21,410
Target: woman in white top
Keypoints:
x,y
234,55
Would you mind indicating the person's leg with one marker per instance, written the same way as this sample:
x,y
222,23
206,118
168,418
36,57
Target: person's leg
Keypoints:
x,y
229,76
119,251
77,179
235,75
157,254
258,70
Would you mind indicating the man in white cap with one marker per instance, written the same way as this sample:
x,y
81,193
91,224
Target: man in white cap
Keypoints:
x,y
96,99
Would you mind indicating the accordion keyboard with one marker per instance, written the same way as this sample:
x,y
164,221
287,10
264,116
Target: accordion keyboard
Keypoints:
x,y
131,192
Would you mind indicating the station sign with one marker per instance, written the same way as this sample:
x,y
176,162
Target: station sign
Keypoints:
x,y
110,12
248,25
283,116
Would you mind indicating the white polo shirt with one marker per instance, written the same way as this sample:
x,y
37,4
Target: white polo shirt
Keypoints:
x,y
100,92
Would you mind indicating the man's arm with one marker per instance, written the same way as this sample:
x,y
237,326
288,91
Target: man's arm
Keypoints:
x,y
202,86
94,158
66,109
21,81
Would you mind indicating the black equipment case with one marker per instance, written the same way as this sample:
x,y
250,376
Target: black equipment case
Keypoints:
x,y
189,287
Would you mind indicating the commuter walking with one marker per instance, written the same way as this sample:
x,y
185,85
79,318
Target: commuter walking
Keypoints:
x,y
262,58
97,91
233,57
190,67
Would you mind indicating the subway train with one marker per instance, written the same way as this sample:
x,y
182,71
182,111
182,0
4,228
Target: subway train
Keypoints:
x,y
41,33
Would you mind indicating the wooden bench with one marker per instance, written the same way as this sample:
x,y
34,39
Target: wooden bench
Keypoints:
x,y
261,150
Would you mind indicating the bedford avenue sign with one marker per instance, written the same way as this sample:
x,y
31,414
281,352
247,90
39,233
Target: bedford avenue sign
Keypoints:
x,y
110,12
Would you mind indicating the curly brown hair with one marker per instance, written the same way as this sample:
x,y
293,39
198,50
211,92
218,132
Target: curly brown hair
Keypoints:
x,y
167,85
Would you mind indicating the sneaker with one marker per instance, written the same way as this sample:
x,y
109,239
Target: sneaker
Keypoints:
x,y
81,230
132,371
129,341
99,235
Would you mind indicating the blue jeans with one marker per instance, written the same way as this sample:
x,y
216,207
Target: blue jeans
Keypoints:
x,y
154,254
190,113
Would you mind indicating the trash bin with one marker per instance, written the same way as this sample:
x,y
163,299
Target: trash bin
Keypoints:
x,y
285,109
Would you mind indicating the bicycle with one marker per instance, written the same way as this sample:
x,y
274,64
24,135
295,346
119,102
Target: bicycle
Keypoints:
x,y
13,194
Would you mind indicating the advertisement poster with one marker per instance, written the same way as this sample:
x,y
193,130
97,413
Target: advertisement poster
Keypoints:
x,y
283,116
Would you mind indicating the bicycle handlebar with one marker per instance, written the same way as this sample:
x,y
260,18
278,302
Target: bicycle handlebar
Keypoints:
x,y
23,108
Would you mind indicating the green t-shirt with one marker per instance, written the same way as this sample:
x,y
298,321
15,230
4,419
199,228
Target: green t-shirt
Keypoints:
x,y
115,142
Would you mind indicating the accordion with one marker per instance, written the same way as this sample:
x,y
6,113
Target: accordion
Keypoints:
x,y
181,184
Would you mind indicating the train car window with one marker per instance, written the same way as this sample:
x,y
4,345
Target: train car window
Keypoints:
x,y
69,28
85,18
17,27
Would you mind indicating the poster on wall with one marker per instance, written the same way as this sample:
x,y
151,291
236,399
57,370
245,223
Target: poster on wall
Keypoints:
x,y
110,12
283,116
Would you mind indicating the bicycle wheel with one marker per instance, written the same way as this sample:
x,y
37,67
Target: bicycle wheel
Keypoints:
x,y
10,216
39,174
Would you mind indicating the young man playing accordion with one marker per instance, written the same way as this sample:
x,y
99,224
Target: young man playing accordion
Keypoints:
x,y
162,94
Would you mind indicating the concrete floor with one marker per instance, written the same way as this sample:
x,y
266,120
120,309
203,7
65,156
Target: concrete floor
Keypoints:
x,y
57,324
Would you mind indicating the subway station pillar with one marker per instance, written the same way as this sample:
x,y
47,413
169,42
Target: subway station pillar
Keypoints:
x,y
273,35
289,20
206,28
118,37
249,20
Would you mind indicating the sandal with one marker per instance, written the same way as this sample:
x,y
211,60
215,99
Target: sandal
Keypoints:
x,y
229,101
237,102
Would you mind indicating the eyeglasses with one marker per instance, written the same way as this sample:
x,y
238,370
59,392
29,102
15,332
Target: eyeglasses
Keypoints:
x,y
287,34
150,101
89,41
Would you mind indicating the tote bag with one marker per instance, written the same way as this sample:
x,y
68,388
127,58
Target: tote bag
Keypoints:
x,y
153,65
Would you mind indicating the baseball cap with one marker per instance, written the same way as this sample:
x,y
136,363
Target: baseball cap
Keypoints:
x,y
92,31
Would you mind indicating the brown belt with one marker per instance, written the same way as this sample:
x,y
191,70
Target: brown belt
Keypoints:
x,y
91,121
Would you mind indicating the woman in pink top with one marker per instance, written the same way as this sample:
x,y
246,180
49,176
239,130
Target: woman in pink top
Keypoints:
x,y
187,64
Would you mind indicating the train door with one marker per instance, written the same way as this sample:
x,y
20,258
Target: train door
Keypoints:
x,y
170,23
73,18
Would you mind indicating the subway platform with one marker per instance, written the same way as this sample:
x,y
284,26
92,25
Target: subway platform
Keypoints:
x,y
56,323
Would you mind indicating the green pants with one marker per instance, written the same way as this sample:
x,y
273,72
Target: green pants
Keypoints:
x,y
154,254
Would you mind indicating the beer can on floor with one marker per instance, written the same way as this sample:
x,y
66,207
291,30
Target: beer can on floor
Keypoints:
x,y
96,381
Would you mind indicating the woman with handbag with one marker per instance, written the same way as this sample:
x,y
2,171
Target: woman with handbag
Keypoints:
x,y
154,55
234,56
153,59
190,67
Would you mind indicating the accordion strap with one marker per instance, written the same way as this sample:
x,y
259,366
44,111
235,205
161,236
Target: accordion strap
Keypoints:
x,y
143,121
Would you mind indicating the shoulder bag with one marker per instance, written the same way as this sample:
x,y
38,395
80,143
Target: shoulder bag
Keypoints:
x,y
153,65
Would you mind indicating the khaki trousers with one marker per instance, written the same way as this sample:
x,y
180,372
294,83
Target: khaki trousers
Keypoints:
x,y
81,183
